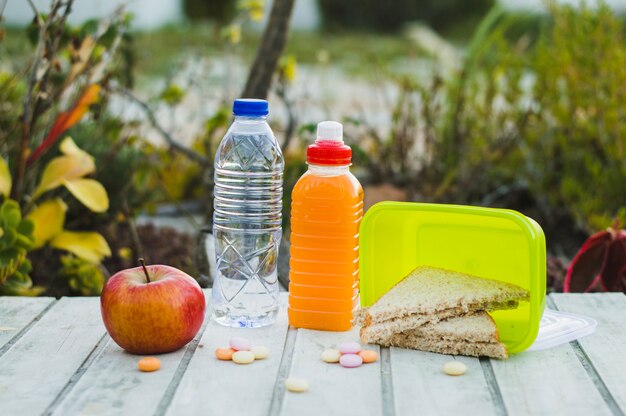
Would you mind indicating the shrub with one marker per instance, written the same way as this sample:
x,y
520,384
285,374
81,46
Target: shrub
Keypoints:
x,y
390,16
538,126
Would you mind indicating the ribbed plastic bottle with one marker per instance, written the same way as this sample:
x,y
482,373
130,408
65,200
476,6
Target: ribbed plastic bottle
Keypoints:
x,y
247,219
326,210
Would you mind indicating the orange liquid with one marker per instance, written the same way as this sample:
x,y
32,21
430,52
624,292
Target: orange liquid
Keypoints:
x,y
325,215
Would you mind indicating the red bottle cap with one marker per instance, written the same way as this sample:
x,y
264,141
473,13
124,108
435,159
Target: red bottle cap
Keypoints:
x,y
329,148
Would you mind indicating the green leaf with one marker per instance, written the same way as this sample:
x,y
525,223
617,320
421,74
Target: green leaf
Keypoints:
x,y
173,94
26,227
10,213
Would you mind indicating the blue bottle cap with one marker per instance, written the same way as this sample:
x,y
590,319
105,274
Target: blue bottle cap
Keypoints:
x,y
250,107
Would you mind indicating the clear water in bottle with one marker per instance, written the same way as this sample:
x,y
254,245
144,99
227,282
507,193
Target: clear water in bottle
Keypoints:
x,y
247,219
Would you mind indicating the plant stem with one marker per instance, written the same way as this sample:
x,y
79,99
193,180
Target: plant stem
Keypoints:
x,y
145,270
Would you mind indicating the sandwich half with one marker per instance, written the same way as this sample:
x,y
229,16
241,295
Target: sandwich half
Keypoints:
x,y
429,295
475,335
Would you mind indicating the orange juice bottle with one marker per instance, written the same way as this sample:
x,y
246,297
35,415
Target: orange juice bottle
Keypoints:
x,y
326,210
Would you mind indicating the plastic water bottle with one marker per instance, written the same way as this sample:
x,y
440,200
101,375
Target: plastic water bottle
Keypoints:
x,y
247,219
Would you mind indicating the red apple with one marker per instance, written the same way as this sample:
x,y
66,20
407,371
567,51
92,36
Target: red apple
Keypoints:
x,y
152,309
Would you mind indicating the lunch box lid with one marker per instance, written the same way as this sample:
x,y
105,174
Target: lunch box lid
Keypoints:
x,y
558,328
498,244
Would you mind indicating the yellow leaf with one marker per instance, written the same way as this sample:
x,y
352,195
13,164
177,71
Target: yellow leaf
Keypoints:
x,y
256,15
90,246
5,178
90,192
48,218
64,168
288,67
233,32
70,148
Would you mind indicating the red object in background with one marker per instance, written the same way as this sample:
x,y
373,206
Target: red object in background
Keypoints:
x,y
67,119
600,261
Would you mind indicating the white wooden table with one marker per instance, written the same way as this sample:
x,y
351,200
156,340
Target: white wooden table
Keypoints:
x,y
56,358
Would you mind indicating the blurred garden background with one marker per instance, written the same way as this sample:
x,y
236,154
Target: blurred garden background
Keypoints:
x,y
111,111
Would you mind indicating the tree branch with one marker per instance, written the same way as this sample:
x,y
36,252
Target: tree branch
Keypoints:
x,y
172,143
291,115
272,45
30,102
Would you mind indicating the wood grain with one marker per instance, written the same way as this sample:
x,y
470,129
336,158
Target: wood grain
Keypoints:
x,y
18,312
548,382
114,386
419,383
37,368
334,390
213,387
606,348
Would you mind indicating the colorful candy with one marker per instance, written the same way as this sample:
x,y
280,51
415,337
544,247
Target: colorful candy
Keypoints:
x,y
240,344
368,356
260,352
243,357
296,385
349,348
224,353
331,355
454,368
149,364
350,360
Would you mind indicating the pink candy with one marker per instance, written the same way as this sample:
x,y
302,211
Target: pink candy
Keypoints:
x,y
240,344
349,348
350,360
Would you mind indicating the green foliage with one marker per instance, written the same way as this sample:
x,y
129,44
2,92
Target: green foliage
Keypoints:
x,y
578,143
222,11
15,241
536,125
390,16
81,277
172,94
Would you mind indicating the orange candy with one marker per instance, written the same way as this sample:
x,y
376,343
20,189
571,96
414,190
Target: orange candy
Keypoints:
x,y
225,353
369,356
149,364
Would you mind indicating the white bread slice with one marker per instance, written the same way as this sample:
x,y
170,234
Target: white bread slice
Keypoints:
x,y
473,349
477,327
376,332
475,335
429,290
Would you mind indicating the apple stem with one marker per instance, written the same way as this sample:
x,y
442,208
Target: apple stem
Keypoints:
x,y
145,270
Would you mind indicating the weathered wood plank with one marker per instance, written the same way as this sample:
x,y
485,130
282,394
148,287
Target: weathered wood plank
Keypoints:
x,y
114,386
549,382
605,348
213,387
419,383
334,390
18,312
39,365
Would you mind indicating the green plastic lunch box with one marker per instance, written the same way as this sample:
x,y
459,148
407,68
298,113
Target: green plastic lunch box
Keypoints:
x,y
498,244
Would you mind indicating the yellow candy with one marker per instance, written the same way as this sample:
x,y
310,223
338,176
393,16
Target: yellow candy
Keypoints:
x,y
331,356
454,368
260,352
296,385
243,357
